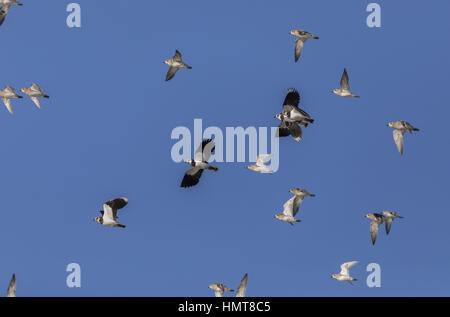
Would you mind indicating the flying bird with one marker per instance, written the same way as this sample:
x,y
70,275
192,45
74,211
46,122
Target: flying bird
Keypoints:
x,y
291,111
377,220
7,94
199,163
389,217
11,292
109,212
219,289
289,211
302,37
175,64
344,275
260,165
400,128
35,92
344,91
242,288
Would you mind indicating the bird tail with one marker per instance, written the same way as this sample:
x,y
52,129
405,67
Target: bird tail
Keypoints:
x,y
354,279
121,226
188,67
355,96
212,168
297,220
312,195
309,120
46,96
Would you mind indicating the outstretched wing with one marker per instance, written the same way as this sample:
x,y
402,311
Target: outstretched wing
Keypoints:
x,y
288,207
110,207
262,159
292,98
295,131
192,177
344,81
346,266
296,204
171,72
203,152
3,12
398,138
298,48
388,222
177,57
242,288
7,103
11,292
374,231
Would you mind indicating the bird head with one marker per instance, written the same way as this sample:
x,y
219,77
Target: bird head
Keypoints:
x,y
390,124
279,116
98,219
336,91
190,162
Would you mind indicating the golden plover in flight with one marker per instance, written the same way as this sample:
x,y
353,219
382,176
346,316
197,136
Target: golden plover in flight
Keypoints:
x,y
389,217
290,210
377,220
260,165
219,289
344,91
35,92
109,212
7,94
11,292
400,128
199,163
175,64
302,37
344,275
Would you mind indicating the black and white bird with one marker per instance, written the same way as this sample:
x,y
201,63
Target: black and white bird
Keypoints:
x,y
302,36
344,91
291,111
199,163
400,128
175,64
109,212
11,292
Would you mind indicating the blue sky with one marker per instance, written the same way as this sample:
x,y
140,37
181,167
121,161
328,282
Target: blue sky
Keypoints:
x,y
106,130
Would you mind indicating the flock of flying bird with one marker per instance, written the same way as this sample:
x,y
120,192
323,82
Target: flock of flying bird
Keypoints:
x,y
292,119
